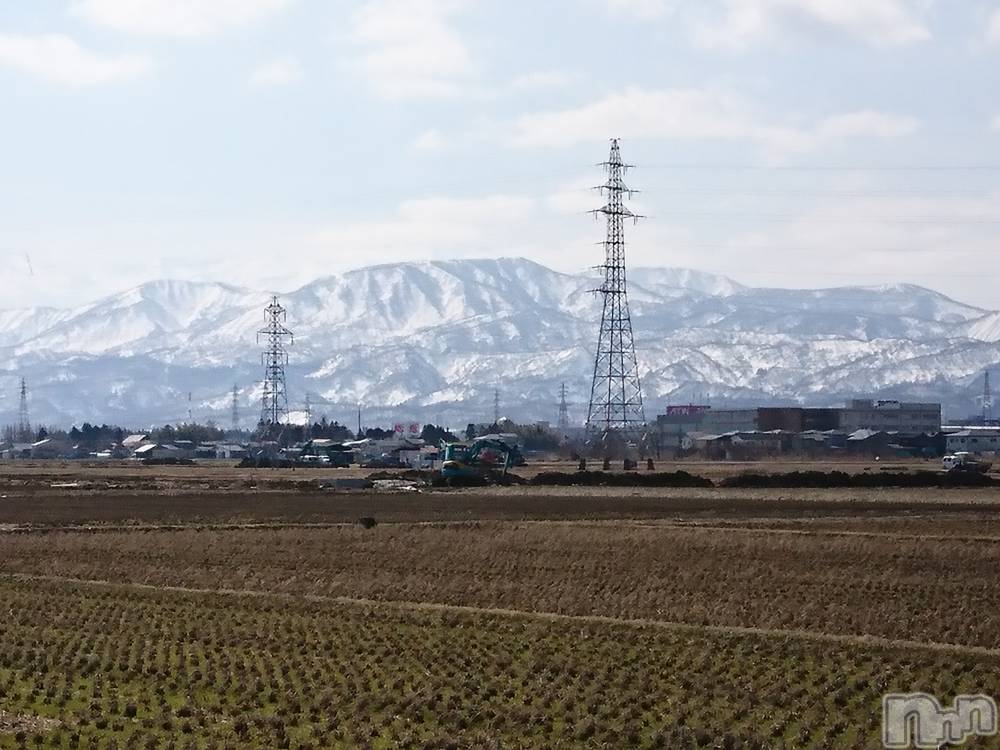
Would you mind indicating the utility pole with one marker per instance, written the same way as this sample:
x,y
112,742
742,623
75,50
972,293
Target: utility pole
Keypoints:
x,y
274,402
616,394
23,420
563,409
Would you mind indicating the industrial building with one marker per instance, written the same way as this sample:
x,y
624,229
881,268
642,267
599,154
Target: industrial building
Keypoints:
x,y
860,425
973,439
891,416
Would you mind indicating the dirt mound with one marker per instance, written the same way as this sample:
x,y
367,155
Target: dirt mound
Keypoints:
x,y
167,462
493,479
412,475
608,479
821,479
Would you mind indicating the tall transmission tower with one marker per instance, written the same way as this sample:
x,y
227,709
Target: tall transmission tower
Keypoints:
x,y
274,406
616,395
563,409
236,408
23,420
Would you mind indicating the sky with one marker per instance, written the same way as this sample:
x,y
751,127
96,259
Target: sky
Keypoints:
x,y
266,143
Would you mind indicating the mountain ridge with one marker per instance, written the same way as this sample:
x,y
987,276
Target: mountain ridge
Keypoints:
x,y
430,340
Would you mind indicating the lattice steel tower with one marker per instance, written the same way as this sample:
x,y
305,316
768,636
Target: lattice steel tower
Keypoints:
x,y
616,395
236,409
23,420
987,399
274,358
563,423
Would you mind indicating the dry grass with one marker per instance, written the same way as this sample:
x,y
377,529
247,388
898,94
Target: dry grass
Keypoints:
x,y
524,617
886,584
109,664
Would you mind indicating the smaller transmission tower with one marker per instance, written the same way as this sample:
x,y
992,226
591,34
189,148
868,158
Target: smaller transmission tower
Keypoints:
x,y
23,420
563,409
236,408
987,399
496,406
273,335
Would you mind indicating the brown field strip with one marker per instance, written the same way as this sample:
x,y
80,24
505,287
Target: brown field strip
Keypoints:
x,y
898,588
91,663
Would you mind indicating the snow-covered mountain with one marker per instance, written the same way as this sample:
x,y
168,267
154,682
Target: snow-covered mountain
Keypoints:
x,y
432,340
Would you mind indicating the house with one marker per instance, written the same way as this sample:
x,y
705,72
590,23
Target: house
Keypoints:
x,y
17,450
51,448
185,448
157,451
974,440
327,451
230,451
132,442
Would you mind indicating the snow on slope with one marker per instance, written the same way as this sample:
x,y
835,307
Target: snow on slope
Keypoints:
x,y
986,328
432,339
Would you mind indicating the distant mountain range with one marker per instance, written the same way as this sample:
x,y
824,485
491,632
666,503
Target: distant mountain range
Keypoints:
x,y
431,341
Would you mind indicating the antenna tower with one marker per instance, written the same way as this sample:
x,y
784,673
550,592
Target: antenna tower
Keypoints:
x,y
563,409
987,399
23,421
616,395
236,408
274,405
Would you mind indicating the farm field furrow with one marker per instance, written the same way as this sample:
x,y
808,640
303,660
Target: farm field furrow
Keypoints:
x,y
47,506
87,665
900,588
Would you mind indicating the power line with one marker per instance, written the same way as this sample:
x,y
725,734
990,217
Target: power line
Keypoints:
x,y
828,167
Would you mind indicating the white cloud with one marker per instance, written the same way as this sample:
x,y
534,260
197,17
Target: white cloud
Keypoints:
x,y
877,22
993,28
411,48
543,79
932,241
436,227
866,124
574,197
59,59
281,72
430,140
643,9
996,123
180,18
693,114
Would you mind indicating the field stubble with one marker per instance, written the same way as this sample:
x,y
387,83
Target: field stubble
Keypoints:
x,y
459,647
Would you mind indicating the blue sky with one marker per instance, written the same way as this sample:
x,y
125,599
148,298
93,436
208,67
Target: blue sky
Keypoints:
x,y
269,142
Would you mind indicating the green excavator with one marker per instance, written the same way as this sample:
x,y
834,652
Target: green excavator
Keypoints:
x,y
483,458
